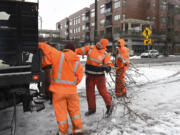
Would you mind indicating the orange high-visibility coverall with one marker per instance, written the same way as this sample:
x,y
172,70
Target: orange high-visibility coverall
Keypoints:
x,y
67,72
96,59
122,62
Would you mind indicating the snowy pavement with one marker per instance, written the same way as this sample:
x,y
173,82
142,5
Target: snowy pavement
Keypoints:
x,y
154,106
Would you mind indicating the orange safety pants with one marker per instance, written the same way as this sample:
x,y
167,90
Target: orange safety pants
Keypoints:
x,y
120,85
100,82
64,104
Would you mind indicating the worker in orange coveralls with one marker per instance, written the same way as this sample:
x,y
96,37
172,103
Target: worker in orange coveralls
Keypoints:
x,y
67,72
122,62
98,61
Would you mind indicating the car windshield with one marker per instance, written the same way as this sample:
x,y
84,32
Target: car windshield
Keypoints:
x,y
153,51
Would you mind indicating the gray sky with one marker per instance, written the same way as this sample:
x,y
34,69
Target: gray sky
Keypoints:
x,y
53,11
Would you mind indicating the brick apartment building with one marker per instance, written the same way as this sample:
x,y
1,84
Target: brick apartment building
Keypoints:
x,y
127,19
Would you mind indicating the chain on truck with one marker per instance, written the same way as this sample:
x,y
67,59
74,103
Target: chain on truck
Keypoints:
x,y
20,58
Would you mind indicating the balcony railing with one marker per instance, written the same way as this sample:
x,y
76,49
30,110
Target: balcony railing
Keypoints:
x,y
108,24
108,35
108,12
87,20
87,29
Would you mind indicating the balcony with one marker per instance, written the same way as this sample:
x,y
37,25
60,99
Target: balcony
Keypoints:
x,y
87,29
108,12
108,36
87,38
108,1
67,22
108,24
87,20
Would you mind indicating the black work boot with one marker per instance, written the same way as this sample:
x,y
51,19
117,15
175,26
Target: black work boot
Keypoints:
x,y
90,112
109,110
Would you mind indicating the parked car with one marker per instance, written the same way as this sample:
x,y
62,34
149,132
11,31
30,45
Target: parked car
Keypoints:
x,y
150,54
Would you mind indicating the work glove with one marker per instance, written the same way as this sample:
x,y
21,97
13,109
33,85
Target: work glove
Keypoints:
x,y
107,69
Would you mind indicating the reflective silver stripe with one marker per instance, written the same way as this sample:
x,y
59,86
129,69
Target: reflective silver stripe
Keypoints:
x,y
105,54
94,73
98,61
90,50
62,122
60,66
83,51
75,68
79,130
58,80
123,60
93,59
75,117
65,82
44,56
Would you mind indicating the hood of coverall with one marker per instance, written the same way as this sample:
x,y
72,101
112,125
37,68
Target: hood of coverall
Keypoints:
x,y
122,43
104,42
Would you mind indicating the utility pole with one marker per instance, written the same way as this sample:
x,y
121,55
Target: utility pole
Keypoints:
x,y
96,25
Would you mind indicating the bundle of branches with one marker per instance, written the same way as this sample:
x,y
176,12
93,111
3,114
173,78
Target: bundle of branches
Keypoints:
x,y
123,108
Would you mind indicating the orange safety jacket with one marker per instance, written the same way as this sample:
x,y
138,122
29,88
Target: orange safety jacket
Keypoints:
x,y
67,70
96,59
122,55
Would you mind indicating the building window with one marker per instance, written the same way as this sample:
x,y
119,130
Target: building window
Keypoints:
x,y
83,37
102,22
116,17
124,3
163,19
123,16
70,30
148,18
154,18
74,21
117,30
83,27
70,22
154,4
102,32
148,6
102,9
83,17
92,12
92,24
163,1
116,4
79,20
163,7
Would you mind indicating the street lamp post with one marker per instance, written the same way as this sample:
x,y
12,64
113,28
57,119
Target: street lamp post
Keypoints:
x,y
96,25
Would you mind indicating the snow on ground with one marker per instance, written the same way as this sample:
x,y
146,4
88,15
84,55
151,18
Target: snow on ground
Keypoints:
x,y
154,96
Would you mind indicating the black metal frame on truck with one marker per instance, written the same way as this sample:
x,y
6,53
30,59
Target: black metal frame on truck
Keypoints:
x,y
20,58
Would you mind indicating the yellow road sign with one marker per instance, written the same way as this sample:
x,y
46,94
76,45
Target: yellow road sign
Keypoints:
x,y
147,42
147,32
